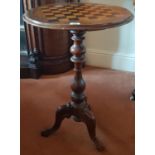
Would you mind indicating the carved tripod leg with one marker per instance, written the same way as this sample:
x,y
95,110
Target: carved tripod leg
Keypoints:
x,y
89,119
62,112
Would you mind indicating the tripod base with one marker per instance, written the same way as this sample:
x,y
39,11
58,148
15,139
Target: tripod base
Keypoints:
x,y
80,113
78,109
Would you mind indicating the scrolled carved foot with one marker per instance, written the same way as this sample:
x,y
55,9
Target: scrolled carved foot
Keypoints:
x,y
46,133
64,111
99,146
88,118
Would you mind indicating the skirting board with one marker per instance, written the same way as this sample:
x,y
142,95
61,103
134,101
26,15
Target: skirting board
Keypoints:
x,y
108,59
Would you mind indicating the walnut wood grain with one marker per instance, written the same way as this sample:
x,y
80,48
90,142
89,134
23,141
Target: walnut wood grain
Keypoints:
x,y
78,16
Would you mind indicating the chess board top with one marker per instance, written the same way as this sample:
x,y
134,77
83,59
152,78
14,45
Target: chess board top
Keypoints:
x,y
77,16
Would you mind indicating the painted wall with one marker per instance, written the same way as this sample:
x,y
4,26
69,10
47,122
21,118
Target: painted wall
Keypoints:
x,y
112,48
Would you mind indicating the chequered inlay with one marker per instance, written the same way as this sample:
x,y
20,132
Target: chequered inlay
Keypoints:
x,y
78,14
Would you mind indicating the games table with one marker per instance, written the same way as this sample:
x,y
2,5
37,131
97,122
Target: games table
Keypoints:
x,y
77,18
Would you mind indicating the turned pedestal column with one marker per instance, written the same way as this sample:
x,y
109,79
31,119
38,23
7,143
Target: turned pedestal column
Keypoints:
x,y
77,108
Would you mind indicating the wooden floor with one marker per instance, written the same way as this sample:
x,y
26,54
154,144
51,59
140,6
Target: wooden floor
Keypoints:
x,y
108,93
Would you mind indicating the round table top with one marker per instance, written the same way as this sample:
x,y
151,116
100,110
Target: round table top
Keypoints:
x,y
77,16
